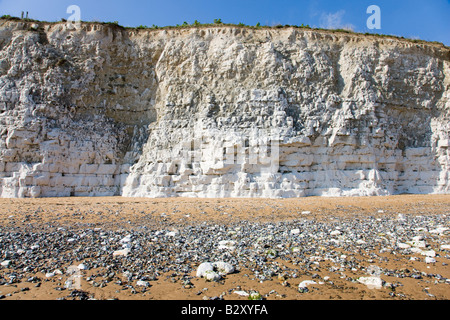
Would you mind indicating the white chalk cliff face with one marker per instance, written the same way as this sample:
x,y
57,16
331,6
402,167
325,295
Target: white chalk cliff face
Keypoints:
x,y
219,112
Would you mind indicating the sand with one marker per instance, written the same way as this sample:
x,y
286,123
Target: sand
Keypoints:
x,y
122,213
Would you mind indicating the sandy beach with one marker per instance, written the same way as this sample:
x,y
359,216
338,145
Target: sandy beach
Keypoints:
x,y
331,243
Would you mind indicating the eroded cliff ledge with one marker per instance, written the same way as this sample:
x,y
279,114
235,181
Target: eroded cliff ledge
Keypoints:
x,y
102,110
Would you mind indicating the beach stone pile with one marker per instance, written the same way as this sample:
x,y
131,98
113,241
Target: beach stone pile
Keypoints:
x,y
305,252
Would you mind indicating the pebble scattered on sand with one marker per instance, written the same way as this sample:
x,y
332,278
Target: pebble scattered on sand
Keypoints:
x,y
140,255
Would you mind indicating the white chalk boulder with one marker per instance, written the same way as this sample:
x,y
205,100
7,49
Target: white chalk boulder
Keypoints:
x,y
214,271
223,267
371,282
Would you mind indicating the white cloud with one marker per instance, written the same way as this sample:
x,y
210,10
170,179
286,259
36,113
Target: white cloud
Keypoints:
x,y
334,21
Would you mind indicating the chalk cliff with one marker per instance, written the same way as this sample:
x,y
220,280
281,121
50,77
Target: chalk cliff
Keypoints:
x,y
219,112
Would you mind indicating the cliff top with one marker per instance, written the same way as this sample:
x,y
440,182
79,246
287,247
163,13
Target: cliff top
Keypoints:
x,y
219,24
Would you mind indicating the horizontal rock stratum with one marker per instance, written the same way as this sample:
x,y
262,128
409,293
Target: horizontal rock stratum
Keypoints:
x,y
220,111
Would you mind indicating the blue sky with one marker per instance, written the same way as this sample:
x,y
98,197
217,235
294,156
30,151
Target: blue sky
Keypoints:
x,y
427,20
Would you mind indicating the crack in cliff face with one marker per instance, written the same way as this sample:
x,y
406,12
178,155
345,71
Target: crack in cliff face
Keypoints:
x,y
219,112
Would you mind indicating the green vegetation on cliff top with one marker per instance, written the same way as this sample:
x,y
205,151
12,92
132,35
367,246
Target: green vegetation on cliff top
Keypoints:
x,y
219,22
